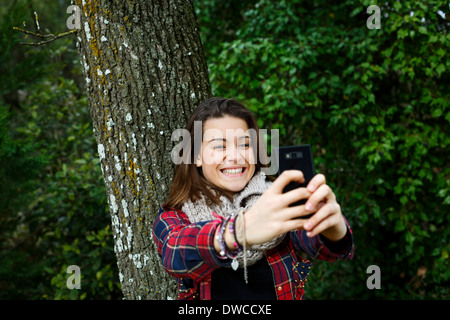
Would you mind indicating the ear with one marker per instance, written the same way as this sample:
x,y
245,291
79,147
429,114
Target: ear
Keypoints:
x,y
198,161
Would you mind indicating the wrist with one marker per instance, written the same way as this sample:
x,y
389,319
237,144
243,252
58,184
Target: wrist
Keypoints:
x,y
230,236
225,238
240,234
338,246
335,233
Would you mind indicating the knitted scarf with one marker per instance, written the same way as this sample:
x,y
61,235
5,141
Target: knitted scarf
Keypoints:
x,y
200,211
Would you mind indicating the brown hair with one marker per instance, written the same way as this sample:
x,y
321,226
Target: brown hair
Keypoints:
x,y
188,181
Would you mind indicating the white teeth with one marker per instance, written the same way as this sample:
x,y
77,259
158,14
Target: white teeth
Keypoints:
x,y
232,171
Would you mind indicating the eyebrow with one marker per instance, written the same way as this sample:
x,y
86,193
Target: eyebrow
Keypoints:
x,y
223,139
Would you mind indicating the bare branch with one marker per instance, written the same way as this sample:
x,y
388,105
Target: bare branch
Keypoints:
x,y
40,35
36,22
50,35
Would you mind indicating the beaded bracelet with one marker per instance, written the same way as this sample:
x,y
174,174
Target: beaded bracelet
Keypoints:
x,y
232,229
220,236
220,239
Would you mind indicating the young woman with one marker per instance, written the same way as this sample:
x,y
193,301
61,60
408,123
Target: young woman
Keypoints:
x,y
227,231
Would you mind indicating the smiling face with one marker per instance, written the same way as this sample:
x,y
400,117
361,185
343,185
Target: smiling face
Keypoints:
x,y
227,158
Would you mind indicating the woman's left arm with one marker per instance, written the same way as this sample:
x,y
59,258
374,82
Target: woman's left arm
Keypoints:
x,y
327,219
326,234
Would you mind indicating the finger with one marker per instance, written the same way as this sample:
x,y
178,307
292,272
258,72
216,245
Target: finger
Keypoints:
x,y
316,182
323,193
297,212
324,213
294,212
295,195
325,224
320,205
295,224
286,177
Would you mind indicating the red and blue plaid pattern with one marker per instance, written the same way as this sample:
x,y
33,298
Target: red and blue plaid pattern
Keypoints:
x,y
187,253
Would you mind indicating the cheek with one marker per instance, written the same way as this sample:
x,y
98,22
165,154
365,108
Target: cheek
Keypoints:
x,y
211,157
250,157
212,154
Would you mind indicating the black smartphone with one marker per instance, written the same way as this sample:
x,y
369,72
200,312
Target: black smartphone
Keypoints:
x,y
297,158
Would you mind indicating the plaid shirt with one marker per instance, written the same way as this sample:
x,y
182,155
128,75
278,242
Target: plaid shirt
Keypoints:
x,y
187,253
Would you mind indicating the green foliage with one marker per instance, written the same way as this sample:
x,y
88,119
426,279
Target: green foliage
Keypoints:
x,y
374,104
20,167
53,208
21,163
70,206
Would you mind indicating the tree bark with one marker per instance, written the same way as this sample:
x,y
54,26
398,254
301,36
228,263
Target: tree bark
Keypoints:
x,y
145,71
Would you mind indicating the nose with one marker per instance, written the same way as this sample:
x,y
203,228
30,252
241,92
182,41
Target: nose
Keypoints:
x,y
234,155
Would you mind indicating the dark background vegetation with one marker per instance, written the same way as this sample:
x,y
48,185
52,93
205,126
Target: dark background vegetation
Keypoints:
x,y
374,104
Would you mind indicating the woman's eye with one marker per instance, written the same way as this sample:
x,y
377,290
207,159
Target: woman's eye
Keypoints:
x,y
245,145
218,147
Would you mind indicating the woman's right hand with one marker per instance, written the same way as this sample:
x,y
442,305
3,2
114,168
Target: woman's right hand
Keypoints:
x,y
271,215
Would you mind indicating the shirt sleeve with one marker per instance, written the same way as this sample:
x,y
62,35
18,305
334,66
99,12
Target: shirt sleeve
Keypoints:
x,y
186,249
320,248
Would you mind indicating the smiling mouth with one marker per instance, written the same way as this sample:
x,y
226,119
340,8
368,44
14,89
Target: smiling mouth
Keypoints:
x,y
234,171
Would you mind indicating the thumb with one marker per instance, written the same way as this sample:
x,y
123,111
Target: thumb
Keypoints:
x,y
285,178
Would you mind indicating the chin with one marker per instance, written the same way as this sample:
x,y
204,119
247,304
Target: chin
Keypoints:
x,y
235,188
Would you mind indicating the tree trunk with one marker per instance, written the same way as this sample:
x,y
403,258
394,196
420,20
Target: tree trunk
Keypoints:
x,y
145,71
